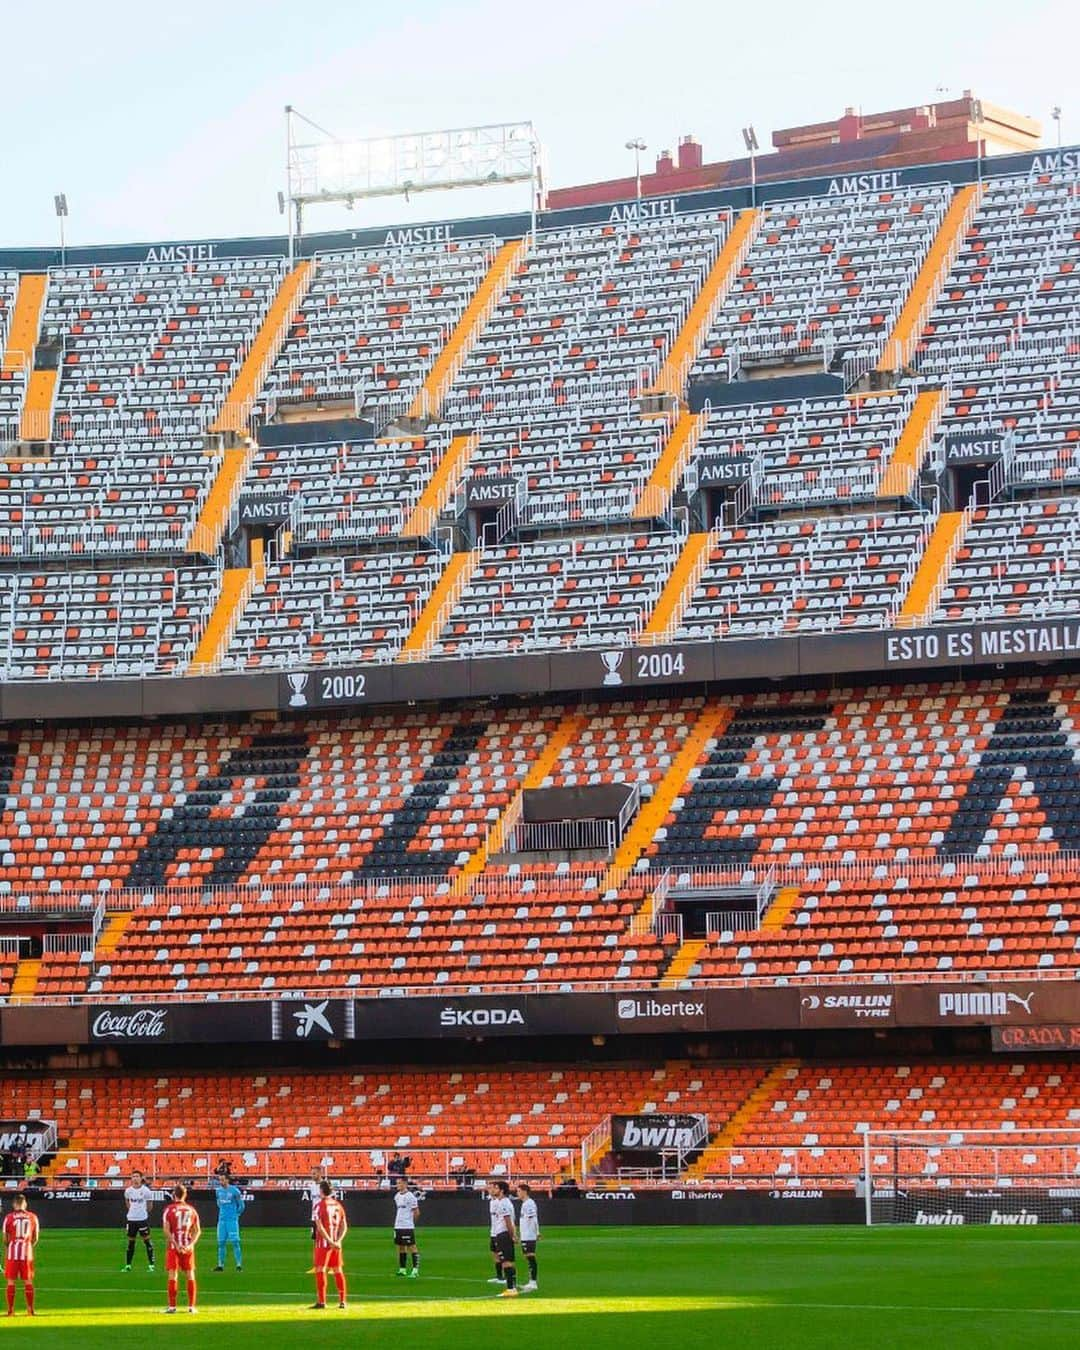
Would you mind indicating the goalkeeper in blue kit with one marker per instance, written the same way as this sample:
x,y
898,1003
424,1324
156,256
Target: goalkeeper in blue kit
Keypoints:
x,y
230,1202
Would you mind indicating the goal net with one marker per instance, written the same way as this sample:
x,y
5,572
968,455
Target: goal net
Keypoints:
x,y
960,1176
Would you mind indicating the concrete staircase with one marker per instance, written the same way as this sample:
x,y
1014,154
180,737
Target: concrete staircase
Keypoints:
x,y
433,616
112,932
710,722
899,476
432,393
25,322
937,558
235,414
682,963
673,374
758,1099
928,284
440,486
213,519
656,495
237,583
678,588
24,981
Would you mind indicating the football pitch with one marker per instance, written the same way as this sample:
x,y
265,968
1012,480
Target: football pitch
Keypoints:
x,y
599,1287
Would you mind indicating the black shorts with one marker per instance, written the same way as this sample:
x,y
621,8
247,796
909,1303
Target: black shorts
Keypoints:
x,y
528,1246
138,1228
502,1244
405,1237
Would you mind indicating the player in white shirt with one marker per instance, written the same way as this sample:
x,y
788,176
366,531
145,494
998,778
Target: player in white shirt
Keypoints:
x,y
529,1232
503,1232
138,1197
406,1206
314,1194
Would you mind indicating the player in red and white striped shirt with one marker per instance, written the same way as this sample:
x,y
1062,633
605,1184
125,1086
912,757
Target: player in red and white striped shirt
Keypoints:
x,y
330,1229
20,1237
182,1232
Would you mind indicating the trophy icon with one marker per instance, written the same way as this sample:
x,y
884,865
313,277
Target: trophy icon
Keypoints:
x,y
298,683
612,661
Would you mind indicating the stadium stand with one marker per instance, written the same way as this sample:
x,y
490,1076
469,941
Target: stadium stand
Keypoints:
x,y
310,611
804,1130
824,278
78,625
876,830
795,1124
373,323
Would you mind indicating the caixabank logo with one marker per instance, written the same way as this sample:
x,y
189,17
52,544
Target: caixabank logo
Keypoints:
x,y
648,1013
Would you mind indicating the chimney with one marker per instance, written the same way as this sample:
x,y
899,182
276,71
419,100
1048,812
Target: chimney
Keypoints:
x,y
849,127
690,155
664,162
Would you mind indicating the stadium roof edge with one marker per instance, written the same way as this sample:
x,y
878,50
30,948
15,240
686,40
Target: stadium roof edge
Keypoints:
x,y
957,172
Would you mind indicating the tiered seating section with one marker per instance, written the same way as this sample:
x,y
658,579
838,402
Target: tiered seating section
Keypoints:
x,y
82,625
1004,331
1014,284
149,353
592,309
806,1130
825,278
587,592
333,610
797,576
373,323
349,491
819,452
1017,560
925,830
529,1123
153,344
794,1125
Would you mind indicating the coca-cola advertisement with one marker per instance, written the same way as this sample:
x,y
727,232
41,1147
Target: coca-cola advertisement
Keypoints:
x,y
143,1024
165,1023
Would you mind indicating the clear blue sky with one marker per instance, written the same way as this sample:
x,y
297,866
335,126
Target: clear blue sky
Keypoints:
x,y
165,120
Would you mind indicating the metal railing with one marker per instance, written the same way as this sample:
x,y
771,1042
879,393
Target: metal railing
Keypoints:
x,y
68,942
562,836
288,1167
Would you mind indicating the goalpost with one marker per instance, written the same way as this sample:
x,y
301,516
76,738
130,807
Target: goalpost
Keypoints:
x,y
950,1177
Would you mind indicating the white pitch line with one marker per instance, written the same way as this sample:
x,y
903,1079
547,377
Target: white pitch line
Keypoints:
x,y
918,1307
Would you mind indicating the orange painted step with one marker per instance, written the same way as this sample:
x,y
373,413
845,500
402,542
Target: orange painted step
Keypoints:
x,y
670,466
939,548
459,344
672,376
25,321
434,614
928,284
235,412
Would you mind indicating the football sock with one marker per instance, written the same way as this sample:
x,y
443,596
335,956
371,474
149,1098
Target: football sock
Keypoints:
x,y
130,1251
237,1252
320,1286
172,1293
28,1292
532,1267
511,1275
402,1260
221,1252
498,1270
339,1280
416,1260
11,1298
191,1292
149,1252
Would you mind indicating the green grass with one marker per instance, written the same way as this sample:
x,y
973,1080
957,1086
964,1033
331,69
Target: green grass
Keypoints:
x,y
599,1287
